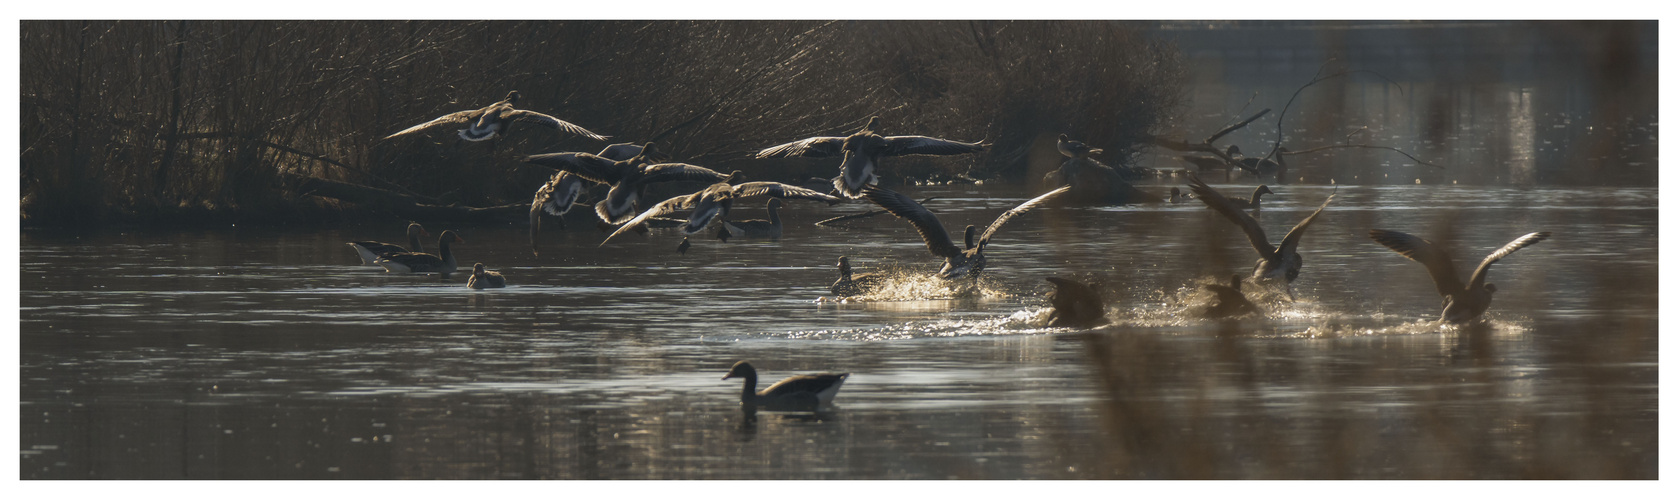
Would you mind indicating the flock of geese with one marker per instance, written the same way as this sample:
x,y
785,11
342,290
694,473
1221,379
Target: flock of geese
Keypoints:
x,y
628,169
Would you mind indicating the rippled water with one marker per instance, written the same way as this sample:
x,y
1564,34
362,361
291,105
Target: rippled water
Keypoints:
x,y
246,353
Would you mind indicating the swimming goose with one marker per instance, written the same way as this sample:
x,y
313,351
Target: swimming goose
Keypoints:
x,y
628,177
1175,196
795,391
560,193
485,123
1074,304
757,228
715,201
1259,166
850,284
482,278
1252,203
1230,301
862,150
956,262
415,262
1275,263
370,250
1460,302
1074,148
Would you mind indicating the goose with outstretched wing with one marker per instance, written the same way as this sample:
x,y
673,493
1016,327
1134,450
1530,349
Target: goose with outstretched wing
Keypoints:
x,y
1281,263
1461,302
560,193
483,124
628,177
715,201
862,150
956,262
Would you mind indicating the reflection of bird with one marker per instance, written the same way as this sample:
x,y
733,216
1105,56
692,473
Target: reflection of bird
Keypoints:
x,y
1461,302
862,150
956,262
797,390
1255,200
1074,304
482,278
424,263
1275,263
1230,301
370,250
560,193
484,123
715,201
758,228
628,178
849,284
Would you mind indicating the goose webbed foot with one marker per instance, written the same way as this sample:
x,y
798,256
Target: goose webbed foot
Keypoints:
x,y
723,234
685,243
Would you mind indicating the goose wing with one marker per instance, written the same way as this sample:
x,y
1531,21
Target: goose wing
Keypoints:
x,y
936,238
1435,260
668,172
1482,273
902,145
1020,209
813,147
466,116
1289,244
1222,205
524,115
785,191
811,384
669,205
621,152
584,165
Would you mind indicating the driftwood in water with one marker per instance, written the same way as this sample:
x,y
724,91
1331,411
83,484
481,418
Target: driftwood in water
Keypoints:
x,y
405,206
861,215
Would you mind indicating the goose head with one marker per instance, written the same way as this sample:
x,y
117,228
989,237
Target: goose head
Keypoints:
x,y
450,236
741,369
414,229
1233,150
1262,190
843,265
970,237
512,96
477,269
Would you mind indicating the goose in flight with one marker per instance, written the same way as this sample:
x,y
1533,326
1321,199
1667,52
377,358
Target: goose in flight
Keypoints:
x,y
560,193
862,150
1461,302
1275,263
714,202
483,124
628,177
956,262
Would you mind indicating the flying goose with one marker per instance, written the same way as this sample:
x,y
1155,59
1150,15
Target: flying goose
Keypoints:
x,y
483,278
1460,302
1075,304
804,391
956,263
850,284
627,177
560,193
715,201
484,124
1230,300
415,262
758,228
1281,263
370,250
862,150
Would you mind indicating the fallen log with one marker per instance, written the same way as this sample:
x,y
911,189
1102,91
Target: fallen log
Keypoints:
x,y
402,205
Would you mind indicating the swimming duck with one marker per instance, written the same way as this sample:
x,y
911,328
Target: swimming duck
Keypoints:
x,y
482,278
628,178
715,201
862,150
485,123
804,391
423,263
560,193
956,263
1460,302
1075,305
850,284
1252,203
757,228
370,250
1230,301
1281,263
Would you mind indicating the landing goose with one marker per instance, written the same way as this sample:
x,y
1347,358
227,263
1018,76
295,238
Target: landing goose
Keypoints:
x,y
956,262
370,250
424,263
805,391
628,178
1075,305
850,284
715,201
862,150
1460,302
485,123
482,278
560,193
771,228
1230,300
1274,263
